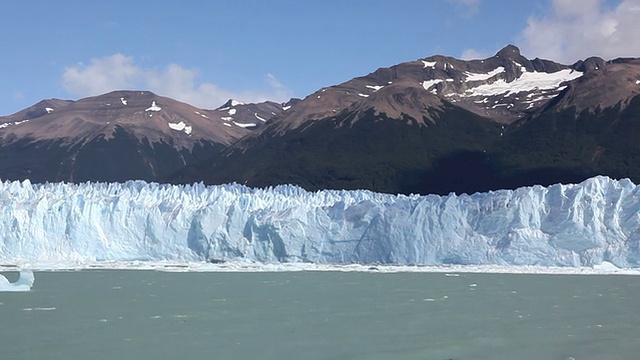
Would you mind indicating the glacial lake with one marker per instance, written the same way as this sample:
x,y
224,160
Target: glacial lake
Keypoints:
x,y
136,314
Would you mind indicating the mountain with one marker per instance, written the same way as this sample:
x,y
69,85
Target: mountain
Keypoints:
x,y
119,136
78,225
440,125
433,125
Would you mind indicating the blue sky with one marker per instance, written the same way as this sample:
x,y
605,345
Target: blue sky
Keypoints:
x,y
204,52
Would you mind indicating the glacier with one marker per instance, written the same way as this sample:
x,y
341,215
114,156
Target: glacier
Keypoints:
x,y
574,225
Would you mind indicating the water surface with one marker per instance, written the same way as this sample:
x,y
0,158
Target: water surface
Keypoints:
x,y
111,314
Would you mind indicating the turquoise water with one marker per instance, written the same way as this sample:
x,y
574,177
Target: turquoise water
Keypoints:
x,y
321,315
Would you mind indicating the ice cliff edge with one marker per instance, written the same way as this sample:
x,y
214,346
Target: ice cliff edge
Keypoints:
x,y
561,225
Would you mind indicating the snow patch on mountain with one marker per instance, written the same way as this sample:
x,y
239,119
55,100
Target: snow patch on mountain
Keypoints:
x,y
2,126
181,126
244,126
153,107
481,77
48,110
427,84
429,64
374,87
124,101
528,81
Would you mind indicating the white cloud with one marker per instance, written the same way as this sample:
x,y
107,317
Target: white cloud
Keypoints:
x,y
119,72
102,75
577,29
471,54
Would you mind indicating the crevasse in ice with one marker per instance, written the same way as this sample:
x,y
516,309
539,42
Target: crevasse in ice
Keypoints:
x,y
561,225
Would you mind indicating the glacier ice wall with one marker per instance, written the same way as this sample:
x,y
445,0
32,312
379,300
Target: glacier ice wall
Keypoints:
x,y
561,225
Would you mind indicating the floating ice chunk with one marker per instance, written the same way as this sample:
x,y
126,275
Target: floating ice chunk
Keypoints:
x,y
153,107
24,283
48,110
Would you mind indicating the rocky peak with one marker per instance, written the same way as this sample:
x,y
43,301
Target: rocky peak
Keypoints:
x,y
231,103
509,52
590,64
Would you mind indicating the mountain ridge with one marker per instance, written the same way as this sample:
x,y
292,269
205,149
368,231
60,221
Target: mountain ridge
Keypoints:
x,y
507,95
432,125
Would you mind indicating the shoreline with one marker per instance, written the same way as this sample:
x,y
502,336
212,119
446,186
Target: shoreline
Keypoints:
x,y
603,269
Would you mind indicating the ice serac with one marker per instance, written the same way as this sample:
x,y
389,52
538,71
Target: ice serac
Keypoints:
x,y
562,225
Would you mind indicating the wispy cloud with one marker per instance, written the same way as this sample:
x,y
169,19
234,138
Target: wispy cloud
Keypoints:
x,y
466,8
120,72
471,54
575,29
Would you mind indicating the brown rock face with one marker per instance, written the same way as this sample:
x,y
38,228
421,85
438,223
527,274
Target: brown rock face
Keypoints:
x,y
119,136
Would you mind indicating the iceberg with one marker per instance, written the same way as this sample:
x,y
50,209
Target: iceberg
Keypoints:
x,y
24,283
574,225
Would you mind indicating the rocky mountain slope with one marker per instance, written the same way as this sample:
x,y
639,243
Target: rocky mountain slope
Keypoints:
x,y
119,136
439,124
434,125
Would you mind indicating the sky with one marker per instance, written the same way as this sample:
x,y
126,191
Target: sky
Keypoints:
x,y
206,52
